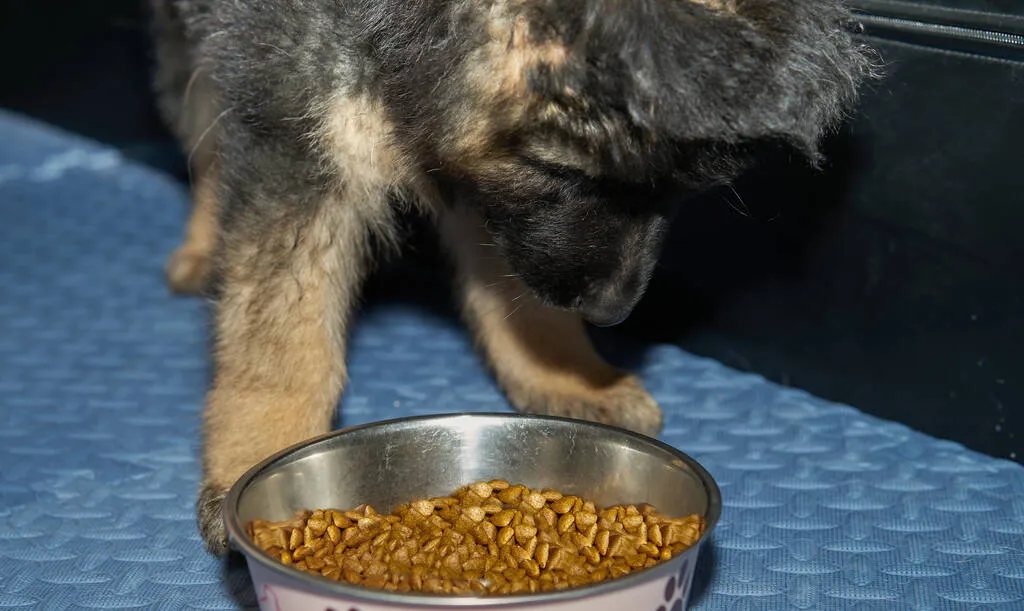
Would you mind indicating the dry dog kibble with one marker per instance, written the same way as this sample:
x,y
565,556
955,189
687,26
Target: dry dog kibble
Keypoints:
x,y
488,538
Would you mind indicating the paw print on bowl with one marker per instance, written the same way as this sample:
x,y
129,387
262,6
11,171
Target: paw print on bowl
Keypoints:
x,y
676,589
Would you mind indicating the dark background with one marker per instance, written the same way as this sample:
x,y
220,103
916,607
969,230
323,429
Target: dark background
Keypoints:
x,y
893,280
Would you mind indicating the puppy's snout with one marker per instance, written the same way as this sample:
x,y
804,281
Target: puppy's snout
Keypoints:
x,y
613,303
606,313
610,301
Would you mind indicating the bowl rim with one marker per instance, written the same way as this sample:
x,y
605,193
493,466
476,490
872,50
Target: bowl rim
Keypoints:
x,y
241,542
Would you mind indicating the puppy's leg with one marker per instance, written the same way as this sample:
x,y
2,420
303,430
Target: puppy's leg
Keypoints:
x,y
187,103
541,356
289,281
188,269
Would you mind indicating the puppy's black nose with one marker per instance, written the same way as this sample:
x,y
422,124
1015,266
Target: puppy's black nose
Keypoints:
x,y
608,304
607,309
605,315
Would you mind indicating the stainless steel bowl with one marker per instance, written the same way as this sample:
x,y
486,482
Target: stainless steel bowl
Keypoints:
x,y
391,462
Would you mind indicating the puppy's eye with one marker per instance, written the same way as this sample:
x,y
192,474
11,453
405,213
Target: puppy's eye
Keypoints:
x,y
554,170
581,182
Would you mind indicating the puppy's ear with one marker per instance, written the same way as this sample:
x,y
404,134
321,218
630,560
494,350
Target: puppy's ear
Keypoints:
x,y
724,71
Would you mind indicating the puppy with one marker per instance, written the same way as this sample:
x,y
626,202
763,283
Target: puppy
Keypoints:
x,y
551,141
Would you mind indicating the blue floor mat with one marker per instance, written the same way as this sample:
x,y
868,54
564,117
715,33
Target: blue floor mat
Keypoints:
x,y
102,374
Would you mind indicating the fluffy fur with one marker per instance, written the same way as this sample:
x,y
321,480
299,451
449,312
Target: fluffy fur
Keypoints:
x,y
559,135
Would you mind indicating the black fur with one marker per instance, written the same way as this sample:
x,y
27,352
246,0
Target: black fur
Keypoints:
x,y
665,94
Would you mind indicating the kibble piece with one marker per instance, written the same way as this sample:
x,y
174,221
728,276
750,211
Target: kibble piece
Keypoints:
x,y
488,538
548,517
519,554
551,495
541,554
654,535
584,520
504,518
295,540
512,494
566,522
531,545
534,500
476,514
563,505
505,535
618,545
422,507
524,533
481,489
632,522
317,526
601,541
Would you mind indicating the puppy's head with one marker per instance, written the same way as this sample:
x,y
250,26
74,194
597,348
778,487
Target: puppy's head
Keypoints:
x,y
574,120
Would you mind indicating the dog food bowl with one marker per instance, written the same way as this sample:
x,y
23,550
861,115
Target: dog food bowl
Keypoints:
x,y
387,463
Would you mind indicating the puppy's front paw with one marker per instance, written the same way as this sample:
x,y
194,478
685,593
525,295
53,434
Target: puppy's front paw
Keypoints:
x,y
625,404
210,518
188,270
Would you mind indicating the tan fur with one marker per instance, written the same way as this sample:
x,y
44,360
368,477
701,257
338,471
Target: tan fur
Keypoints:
x,y
498,76
725,6
284,312
280,351
188,268
541,356
357,141
512,52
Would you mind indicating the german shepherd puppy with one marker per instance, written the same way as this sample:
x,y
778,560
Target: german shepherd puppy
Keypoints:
x,y
549,139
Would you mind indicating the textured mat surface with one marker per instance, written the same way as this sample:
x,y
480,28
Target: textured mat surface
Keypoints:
x,y
102,374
